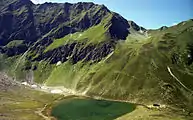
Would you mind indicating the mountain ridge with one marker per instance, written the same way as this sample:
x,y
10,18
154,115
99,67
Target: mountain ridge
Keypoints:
x,y
92,50
20,6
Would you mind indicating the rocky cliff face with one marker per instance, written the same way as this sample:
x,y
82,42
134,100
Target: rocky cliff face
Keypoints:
x,y
41,24
77,52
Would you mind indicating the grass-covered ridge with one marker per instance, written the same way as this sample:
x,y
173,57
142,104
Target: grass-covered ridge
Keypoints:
x,y
14,43
95,34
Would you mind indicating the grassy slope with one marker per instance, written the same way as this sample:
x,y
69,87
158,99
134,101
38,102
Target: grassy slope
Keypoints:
x,y
137,70
14,43
95,34
143,113
177,42
120,74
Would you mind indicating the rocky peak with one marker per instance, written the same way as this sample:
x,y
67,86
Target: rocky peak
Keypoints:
x,y
45,22
83,5
134,25
119,27
11,6
163,27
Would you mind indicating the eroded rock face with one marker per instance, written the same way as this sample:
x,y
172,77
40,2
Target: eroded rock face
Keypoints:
x,y
12,51
163,28
38,25
41,23
77,52
6,82
21,19
17,22
119,27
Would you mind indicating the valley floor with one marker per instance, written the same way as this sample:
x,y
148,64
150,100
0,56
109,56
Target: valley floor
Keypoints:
x,y
18,102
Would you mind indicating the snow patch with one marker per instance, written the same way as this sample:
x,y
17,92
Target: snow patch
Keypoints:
x,y
183,23
24,83
141,31
58,63
34,86
56,91
80,35
44,87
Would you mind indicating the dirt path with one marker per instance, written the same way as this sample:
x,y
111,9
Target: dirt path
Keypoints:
x,y
40,113
169,70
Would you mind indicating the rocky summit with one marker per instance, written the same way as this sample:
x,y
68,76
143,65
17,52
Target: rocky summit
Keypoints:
x,y
89,50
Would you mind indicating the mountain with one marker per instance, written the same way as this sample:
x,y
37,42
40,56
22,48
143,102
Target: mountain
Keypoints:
x,y
89,49
26,23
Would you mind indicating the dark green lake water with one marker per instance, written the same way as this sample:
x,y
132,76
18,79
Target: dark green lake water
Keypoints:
x,y
90,109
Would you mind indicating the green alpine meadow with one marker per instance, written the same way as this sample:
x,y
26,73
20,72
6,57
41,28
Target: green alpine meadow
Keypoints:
x,y
82,61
